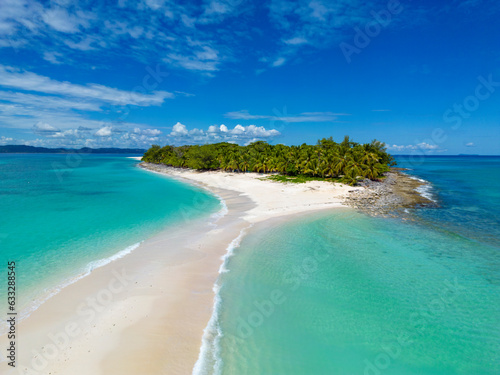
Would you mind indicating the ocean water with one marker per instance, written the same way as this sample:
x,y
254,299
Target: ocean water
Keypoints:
x,y
64,215
343,293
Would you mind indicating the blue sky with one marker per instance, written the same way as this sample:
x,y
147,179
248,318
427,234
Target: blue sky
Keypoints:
x,y
422,76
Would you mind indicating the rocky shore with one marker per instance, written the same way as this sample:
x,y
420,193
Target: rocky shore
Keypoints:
x,y
390,197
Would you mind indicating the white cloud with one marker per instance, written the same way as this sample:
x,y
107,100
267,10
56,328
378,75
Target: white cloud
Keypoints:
x,y
150,30
52,57
204,60
155,4
15,78
470,144
245,115
105,136
220,133
423,146
238,129
42,102
319,10
148,132
123,28
427,146
217,7
318,23
60,20
295,41
108,135
44,128
105,131
179,130
5,140
279,62
84,44
284,117
14,115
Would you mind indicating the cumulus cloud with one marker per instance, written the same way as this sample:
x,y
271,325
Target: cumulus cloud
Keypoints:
x,y
423,146
44,128
179,130
105,131
148,132
107,135
5,140
220,133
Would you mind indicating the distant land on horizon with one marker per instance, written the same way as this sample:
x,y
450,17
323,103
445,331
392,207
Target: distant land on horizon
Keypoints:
x,y
23,149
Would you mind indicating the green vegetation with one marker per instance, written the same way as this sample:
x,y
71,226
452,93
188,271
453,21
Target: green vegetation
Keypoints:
x,y
346,161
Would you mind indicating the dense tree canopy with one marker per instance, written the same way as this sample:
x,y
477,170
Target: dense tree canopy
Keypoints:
x,y
347,160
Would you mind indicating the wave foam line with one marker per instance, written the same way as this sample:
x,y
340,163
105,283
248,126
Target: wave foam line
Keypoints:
x,y
87,270
424,190
210,360
222,212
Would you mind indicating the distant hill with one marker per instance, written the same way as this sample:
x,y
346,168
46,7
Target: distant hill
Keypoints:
x,y
22,149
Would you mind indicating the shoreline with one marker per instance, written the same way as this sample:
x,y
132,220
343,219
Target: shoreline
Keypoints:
x,y
393,196
272,198
153,305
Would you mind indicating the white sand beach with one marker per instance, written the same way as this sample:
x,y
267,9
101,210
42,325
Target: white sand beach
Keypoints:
x,y
271,198
145,313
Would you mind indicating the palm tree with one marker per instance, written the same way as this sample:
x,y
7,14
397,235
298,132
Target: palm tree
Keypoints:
x,y
244,165
329,164
327,158
341,163
354,169
312,167
373,170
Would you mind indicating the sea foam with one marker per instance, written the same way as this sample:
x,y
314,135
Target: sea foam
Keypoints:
x,y
425,190
87,270
221,213
210,360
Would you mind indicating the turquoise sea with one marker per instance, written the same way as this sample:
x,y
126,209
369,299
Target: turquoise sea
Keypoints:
x,y
330,293
64,215
341,293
